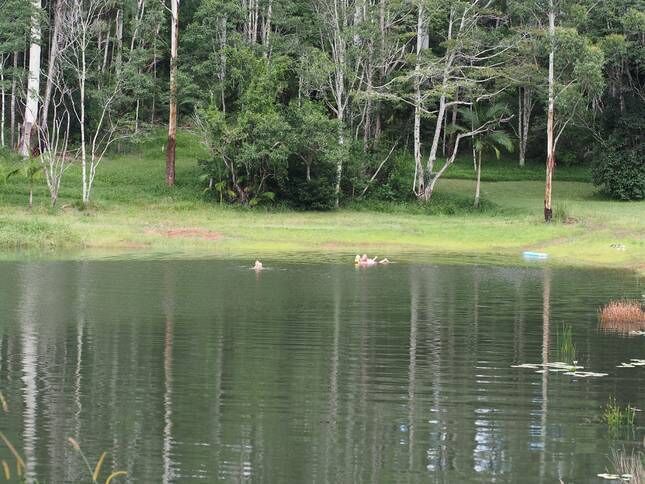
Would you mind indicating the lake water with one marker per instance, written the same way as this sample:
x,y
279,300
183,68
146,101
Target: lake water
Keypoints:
x,y
189,370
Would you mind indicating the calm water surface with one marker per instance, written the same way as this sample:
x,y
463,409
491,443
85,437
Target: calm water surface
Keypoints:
x,y
205,370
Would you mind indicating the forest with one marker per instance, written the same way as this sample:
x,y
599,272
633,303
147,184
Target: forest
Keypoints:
x,y
314,104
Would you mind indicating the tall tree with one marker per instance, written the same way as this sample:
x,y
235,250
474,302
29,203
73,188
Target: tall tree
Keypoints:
x,y
81,57
575,86
33,83
54,50
172,113
550,141
492,139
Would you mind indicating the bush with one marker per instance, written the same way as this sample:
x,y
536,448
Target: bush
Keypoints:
x,y
318,193
620,173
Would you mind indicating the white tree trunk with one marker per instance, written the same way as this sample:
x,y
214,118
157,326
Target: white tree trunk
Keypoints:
x,y
550,150
118,47
2,101
106,48
525,101
223,59
12,120
33,83
53,59
341,141
266,30
479,177
81,82
418,184
432,158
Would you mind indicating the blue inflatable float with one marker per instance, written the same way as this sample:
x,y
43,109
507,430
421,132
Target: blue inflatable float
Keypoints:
x,y
534,255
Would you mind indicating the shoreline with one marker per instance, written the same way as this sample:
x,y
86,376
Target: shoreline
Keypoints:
x,y
212,232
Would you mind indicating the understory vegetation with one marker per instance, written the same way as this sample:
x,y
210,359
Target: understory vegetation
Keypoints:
x,y
320,104
134,211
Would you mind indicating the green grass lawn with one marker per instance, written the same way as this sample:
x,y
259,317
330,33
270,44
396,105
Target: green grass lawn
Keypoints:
x,y
134,213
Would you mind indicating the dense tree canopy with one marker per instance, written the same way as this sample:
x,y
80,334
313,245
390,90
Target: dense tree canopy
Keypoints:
x,y
305,101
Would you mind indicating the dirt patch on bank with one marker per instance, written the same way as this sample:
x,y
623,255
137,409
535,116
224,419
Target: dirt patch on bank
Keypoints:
x,y
187,233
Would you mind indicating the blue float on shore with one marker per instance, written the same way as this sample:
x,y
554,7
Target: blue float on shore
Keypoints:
x,y
534,255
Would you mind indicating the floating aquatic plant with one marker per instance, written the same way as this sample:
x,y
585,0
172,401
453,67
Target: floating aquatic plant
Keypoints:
x,y
633,363
584,374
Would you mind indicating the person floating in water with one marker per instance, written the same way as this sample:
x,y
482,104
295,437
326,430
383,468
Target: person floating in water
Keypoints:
x,y
364,261
258,266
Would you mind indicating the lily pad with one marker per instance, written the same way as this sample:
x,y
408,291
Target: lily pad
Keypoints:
x,y
584,374
611,477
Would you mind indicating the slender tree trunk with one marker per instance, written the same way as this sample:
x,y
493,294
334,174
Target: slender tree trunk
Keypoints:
x,y
172,118
479,177
141,7
154,76
525,100
53,59
266,30
82,74
136,116
550,161
520,119
433,148
118,47
12,121
106,49
2,101
339,163
223,59
453,123
33,83
418,184
430,182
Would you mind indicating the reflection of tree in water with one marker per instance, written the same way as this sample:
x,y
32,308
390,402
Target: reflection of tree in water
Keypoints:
x,y
169,308
193,369
28,312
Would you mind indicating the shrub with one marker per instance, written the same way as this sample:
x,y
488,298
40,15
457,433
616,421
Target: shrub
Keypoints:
x,y
317,193
620,173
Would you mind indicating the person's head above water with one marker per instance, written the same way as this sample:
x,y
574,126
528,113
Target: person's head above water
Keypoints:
x,y
258,266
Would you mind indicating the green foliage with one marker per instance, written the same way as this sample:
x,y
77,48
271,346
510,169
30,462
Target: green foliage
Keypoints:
x,y
617,416
560,213
452,204
248,149
35,233
620,173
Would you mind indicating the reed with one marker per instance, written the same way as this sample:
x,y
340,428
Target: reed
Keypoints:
x,y
623,316
6,467
630,466
617,416
567,350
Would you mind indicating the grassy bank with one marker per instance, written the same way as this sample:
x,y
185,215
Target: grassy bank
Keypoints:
x,y
134,212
